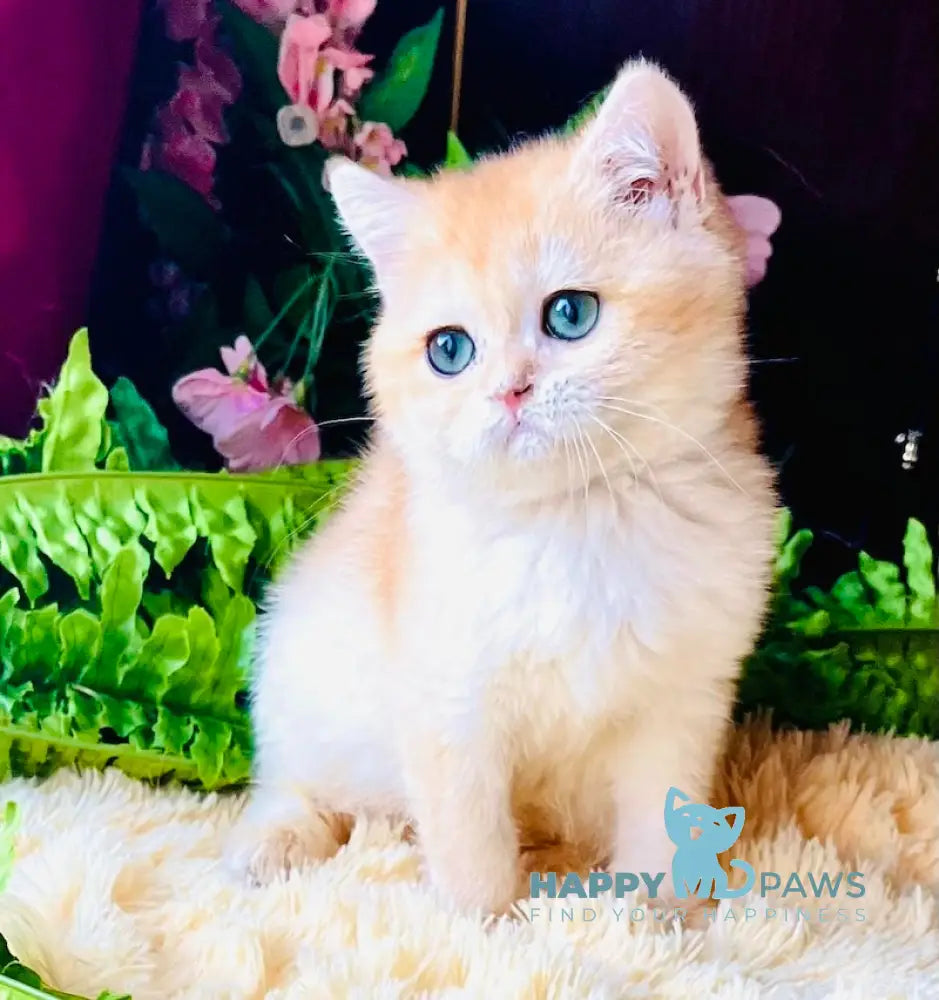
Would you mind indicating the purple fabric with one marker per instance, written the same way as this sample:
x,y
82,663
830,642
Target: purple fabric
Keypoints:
x,y
63,80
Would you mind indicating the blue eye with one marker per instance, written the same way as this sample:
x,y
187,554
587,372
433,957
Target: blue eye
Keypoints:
x,y
450,350
570,315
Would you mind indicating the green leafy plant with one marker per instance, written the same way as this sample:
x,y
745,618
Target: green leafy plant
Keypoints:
x,y
126,622
865,650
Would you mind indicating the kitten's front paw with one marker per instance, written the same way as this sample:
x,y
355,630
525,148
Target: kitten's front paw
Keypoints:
x,y
490,888
261,853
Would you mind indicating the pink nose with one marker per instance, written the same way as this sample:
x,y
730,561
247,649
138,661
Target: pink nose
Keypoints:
x,y
515,397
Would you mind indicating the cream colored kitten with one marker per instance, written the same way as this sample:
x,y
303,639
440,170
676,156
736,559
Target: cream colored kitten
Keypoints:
x,y
532,609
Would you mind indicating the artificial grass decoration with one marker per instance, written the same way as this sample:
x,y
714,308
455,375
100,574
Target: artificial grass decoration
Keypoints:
x,y
127,594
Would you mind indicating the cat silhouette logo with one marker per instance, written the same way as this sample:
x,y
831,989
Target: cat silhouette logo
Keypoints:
x,y
695,868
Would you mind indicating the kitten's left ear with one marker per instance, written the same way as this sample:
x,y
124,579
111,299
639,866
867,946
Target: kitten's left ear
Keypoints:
x,y
375,211
644,139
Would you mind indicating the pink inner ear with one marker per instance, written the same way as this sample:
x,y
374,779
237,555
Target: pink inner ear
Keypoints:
x,y
759,218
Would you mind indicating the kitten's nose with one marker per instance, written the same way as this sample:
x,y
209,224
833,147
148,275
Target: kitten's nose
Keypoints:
x,y
516,396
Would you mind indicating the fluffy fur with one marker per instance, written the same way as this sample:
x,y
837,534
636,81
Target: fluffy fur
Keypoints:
x,y
528,626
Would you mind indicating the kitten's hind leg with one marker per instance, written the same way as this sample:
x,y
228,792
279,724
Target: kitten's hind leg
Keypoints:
x,y
279,830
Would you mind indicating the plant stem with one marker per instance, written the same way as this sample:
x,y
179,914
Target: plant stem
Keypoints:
x,y
284,309
319,319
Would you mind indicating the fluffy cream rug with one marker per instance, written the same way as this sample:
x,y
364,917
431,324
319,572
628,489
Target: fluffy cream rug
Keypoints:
x,y
118,886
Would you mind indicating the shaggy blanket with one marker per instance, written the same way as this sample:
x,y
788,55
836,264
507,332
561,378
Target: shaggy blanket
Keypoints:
x,y
118,885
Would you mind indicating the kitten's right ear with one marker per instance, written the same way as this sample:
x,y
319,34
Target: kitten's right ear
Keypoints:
x,y
374,211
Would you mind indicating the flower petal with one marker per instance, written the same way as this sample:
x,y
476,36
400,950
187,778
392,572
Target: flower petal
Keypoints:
x,y
302,38
215,402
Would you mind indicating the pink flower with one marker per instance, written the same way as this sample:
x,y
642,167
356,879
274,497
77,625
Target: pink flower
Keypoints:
x,y
241,360
180,152
184,18
200,103
193,120
759,218
378,148
353,66
303,72
351,13
252,425
279,434
214,63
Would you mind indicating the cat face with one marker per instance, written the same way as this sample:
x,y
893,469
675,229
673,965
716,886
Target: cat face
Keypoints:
x,y
570,307
718,829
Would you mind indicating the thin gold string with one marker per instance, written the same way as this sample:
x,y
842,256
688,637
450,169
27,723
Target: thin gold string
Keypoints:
x,y
459,40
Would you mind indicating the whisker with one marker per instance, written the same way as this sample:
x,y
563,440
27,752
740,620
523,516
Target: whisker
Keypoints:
x,y
299,436
345,420
677,430
583,467
310,517
567,468
624,445
606,478
622,440
771,361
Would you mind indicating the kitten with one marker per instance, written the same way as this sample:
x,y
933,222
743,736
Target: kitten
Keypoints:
x,y
531,611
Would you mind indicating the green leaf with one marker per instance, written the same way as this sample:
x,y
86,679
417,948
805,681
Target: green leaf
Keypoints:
x,y
889,594
164,652
79,642
222,518
395,95
19,550
255,50
19,456
56,531
209,750
457,156
170,525
36,653
789,560
230,674
146,439
186,227
9,823
920,574
74,413
120,596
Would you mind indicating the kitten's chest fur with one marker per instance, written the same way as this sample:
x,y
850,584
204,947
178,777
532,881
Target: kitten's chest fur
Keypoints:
x,y
577,604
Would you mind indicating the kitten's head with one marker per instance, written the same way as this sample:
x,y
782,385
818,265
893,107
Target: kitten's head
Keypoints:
x,y
576,300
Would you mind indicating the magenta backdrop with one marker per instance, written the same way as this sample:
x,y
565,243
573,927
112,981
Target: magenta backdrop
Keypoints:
x,y
63,80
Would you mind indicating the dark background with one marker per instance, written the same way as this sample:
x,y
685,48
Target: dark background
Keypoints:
x,y
830,107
